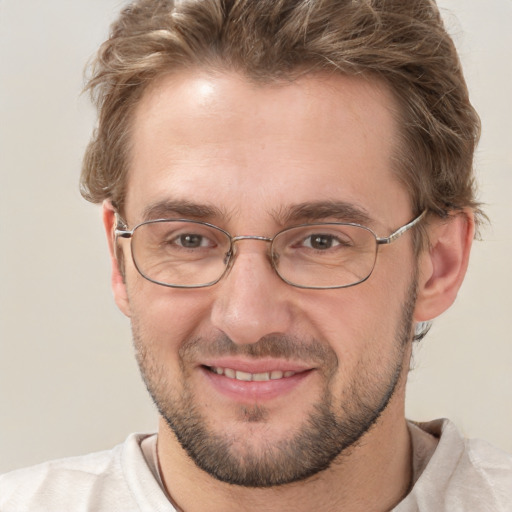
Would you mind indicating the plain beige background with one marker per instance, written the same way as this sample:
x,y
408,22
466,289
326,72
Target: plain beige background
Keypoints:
x,y
68,381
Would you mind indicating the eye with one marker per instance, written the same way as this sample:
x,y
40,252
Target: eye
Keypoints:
x,y
193,241
321,242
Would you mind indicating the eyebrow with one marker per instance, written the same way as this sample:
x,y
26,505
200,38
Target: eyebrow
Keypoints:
x,y
306,212
179,208
316,211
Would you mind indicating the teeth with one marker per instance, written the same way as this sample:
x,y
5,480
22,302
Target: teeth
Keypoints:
x,y
243,376
261,376
248,377
228,372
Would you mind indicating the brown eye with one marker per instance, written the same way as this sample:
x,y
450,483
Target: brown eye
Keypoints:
x,y
192,241
320,242
324,242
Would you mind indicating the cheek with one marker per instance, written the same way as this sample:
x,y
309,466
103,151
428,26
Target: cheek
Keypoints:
x,y
363,321
165,317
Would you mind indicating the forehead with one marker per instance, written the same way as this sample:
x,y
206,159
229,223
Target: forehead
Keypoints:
x,y
249,149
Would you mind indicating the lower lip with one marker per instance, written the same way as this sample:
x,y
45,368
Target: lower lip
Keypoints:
x,y
244,391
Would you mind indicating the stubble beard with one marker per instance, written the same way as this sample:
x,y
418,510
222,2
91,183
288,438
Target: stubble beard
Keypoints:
x,y
330,430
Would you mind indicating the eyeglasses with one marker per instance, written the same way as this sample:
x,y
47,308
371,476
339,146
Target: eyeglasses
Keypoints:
x,y
182,253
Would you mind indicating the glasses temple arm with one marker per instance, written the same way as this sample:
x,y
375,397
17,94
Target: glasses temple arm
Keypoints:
x,y
121,228
400,231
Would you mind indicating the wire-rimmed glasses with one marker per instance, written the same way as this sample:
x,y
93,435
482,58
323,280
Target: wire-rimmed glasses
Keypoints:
x,y
183,253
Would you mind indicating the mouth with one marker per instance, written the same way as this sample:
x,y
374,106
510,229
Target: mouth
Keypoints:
x,y
247,382
251,377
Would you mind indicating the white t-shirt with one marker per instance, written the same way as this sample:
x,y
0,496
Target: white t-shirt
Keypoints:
x,y
451,474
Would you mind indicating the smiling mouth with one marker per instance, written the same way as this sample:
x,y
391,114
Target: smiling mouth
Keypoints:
x,y
251,377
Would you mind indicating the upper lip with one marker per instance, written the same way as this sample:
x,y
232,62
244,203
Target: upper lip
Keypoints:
x,y
256,365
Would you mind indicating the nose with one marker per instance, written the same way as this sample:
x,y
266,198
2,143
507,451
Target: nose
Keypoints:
x,y
251,300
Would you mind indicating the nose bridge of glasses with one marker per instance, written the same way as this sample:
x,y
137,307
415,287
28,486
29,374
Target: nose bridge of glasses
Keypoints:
x,y
231,255
250,237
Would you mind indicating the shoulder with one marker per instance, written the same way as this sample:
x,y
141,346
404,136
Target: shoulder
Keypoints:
x,y
493,467
70,484
474,455
462,474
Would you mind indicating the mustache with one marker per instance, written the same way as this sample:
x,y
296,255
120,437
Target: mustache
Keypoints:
x,y
273,345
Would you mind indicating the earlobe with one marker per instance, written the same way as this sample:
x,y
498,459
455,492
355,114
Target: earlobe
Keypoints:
x,y
443,265
117,278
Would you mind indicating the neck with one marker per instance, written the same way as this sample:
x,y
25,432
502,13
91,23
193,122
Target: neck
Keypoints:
x,y
373,475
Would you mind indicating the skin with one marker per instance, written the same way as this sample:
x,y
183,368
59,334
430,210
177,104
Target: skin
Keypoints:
x,y
251,153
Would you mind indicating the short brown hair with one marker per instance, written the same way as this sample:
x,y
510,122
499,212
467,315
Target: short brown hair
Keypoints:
x,y
401,42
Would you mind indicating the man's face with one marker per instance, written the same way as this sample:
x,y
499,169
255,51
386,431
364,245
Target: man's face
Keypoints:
x,y
243,157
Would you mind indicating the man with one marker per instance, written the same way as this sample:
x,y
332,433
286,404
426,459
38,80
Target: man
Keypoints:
x,y
288,197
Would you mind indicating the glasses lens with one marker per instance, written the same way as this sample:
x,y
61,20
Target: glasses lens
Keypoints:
x,y
325,255
180,253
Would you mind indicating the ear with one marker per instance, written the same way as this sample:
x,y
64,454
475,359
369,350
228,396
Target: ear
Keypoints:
x,y
443,265
117,279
